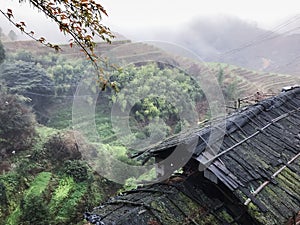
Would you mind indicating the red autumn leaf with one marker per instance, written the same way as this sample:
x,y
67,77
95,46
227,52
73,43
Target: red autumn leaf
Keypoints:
x,y
9,13
57,48
42,39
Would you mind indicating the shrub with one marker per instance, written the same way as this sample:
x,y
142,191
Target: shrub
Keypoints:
x,y
17,125
24,56
76,169
3,197
62,146
34,211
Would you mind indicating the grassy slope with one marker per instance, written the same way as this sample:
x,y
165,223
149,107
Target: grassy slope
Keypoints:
x,y
65,198
37,187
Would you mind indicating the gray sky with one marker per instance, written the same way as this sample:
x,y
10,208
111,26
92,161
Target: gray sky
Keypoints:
x,y
139,13
133,17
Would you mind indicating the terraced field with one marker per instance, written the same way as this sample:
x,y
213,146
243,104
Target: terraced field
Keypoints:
x,y
247,81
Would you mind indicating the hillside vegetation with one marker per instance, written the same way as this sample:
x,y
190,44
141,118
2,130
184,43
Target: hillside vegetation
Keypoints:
x,y
45,180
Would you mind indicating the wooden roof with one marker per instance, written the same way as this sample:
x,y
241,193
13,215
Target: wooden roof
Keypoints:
x,y
162,204
255,152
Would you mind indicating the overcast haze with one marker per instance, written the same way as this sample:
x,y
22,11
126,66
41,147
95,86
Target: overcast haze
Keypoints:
x,y
141,13
137,19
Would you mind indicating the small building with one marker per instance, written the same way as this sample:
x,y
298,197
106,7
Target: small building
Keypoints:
x,y
243,170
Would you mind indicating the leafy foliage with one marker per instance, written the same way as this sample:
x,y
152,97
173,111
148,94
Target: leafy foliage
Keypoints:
x,y
81,19
66,212
55,197
38,185
3,197
229,89
66,74
17,123
25,56
33,207
156,94
25,78
34,211
30,81
220,76
62,147
66,184
60,74
76,169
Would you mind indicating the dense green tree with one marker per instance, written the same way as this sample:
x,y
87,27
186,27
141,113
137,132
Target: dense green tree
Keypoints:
x,y
34,211
3,197
66,74
159,95
17,123
229,88
25,78
80,19
62,74
163,86
220,76
25,56
230,91
30,81
76,169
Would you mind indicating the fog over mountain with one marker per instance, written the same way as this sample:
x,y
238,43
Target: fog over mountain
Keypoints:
x,y
232,40
219,37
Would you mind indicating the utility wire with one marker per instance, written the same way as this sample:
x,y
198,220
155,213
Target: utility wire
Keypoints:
x,y
268,35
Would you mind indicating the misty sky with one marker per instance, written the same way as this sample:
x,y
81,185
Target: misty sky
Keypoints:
x,y
138,18
139,13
